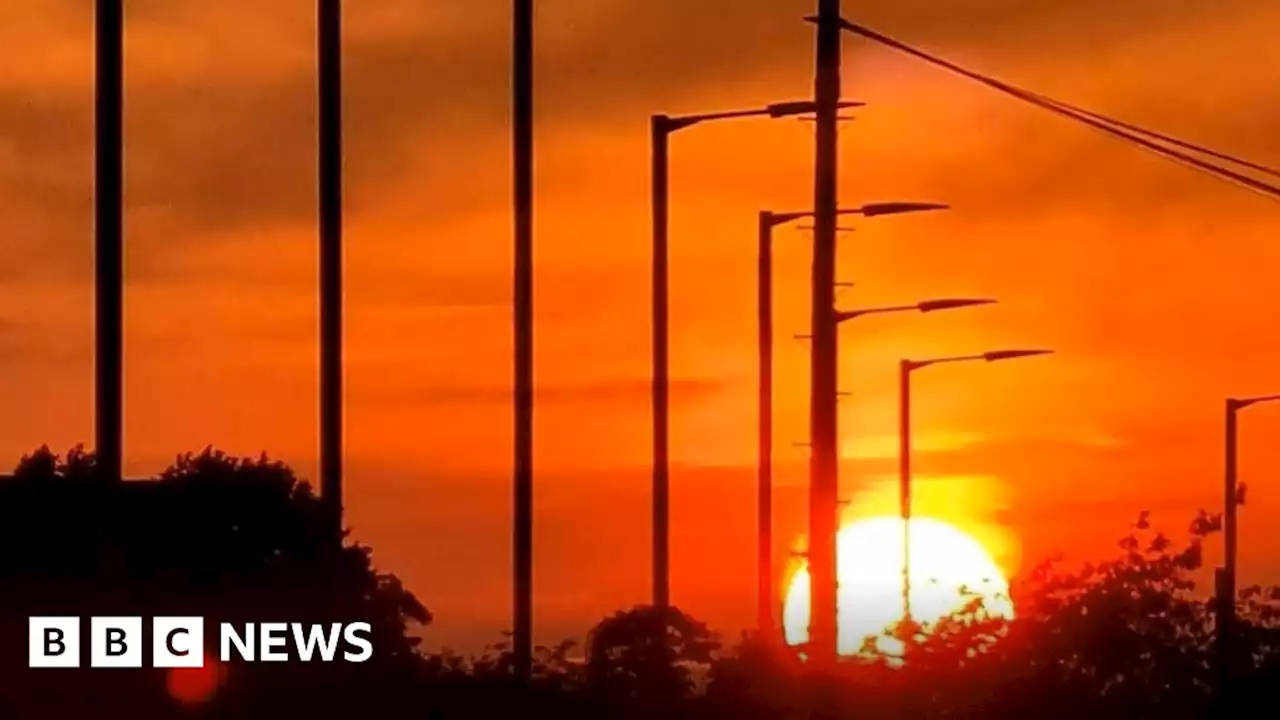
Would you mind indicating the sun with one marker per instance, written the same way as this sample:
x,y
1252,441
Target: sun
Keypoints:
x,y
946,563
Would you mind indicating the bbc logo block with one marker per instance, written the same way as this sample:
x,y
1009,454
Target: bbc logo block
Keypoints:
x,y
178,642
115,642
54,642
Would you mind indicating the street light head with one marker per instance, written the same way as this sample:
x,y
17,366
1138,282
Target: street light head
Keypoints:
x,y
951,304
1012,354
802,107
787,109
899,208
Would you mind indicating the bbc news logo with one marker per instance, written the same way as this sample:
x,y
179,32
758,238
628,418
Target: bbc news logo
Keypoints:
x,y
178,642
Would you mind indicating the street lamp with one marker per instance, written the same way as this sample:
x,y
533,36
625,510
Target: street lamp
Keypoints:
x,y
905,368
661,127
768,220
1226,575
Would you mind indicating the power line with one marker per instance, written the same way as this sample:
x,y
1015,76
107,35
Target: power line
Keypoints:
x,y
1166,138
1125,131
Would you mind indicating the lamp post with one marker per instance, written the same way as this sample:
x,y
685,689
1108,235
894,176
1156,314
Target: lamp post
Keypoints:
x,y
661,128
1226,576
522,482
108,191
329,151
905,368
766,592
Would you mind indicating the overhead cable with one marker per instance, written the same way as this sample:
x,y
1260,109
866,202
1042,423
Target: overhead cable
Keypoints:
x,y
1148,140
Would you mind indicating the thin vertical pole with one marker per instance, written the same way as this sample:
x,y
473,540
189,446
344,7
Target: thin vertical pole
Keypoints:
x,y
823,465
904,479
109,238
522,102
329,39
1226,589
659,131
766,594
1229,498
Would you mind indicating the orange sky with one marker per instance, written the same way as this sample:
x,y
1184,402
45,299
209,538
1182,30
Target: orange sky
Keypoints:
x,y
1150,282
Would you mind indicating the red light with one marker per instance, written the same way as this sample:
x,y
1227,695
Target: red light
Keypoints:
x,y
193,686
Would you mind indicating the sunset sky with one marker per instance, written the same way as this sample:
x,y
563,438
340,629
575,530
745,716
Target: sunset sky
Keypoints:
x,y
1154,285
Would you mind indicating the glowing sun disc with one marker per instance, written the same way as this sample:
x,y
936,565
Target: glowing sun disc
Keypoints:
x,y
948,567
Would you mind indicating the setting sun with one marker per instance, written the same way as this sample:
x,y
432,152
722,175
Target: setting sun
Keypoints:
x,y
945,563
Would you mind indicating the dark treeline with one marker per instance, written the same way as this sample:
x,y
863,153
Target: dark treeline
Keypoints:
x,y
242,540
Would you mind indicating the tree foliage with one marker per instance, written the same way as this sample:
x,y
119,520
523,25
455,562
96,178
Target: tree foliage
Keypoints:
x,y
234,540
242,539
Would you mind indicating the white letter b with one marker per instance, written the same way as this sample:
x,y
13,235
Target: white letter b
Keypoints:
x,y
115,642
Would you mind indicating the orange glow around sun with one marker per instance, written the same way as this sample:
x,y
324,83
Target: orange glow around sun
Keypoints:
x,y
948,567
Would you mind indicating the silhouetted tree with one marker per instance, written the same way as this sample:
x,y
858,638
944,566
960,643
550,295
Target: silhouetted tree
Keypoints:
x,y
229,539
647,658
1124,638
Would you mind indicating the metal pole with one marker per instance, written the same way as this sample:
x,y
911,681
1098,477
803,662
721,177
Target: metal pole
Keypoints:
x,y
823,464
1230,504
329,40
522,103
1227,581
660,132
764,499
1223,609
109,238
904,479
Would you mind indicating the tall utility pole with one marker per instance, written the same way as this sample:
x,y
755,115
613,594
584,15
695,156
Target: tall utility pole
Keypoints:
x,y
109,238
522,147
329,61
660,135
823,463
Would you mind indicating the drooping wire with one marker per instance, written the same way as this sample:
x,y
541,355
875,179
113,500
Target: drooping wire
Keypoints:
x,y
1124,131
